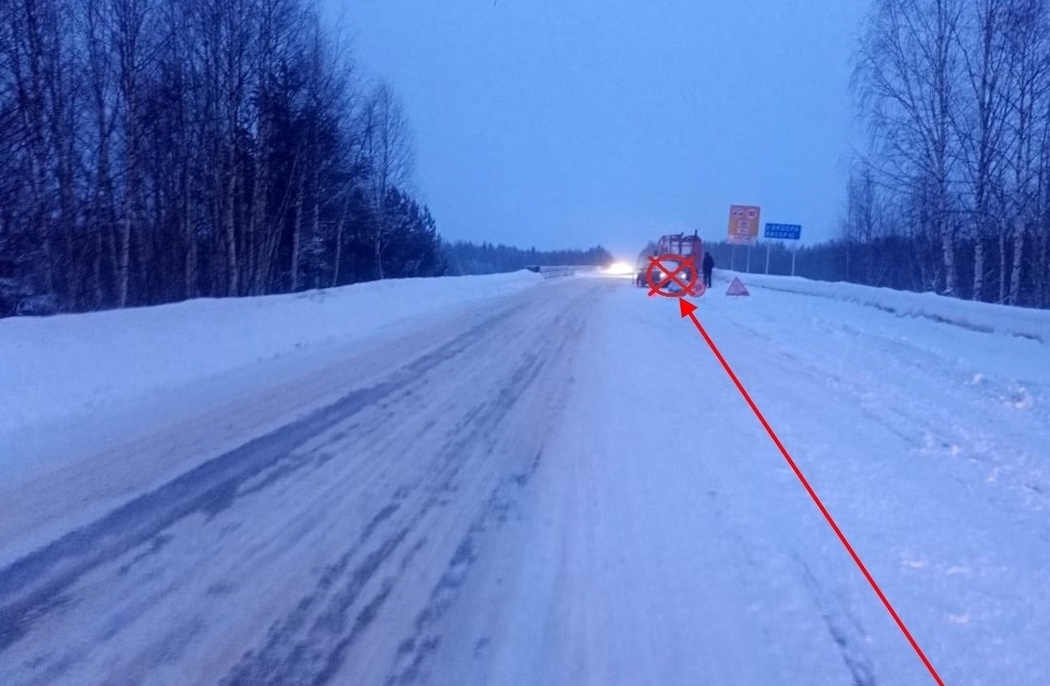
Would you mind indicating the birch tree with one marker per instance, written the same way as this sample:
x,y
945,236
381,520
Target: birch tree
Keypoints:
x,y
982,124
390,152
908,76
1028,60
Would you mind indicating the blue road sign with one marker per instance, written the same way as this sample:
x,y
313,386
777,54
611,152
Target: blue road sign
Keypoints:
x,y
791,232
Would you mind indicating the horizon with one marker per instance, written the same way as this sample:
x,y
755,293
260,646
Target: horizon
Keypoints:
x,y
552,125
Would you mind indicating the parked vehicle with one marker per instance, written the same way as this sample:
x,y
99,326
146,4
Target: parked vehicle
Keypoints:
x,y
688,252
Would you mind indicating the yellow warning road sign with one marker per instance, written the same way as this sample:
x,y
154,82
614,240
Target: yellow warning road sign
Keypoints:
x,y
743,223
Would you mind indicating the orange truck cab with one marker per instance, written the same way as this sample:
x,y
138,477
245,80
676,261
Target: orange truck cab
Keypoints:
x,y
687,263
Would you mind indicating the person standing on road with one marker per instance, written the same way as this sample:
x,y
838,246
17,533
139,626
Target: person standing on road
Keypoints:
x,y
709,266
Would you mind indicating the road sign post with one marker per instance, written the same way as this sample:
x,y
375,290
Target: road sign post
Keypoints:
x,y
790,232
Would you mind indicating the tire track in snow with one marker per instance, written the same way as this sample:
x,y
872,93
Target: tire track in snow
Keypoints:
x,y
311,645
36,584
414,650
845,630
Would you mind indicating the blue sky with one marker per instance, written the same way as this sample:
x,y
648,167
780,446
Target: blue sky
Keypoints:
x,y
569,123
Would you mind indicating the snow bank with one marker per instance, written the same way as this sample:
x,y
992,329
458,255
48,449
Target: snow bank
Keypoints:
x,y
53,366
975,316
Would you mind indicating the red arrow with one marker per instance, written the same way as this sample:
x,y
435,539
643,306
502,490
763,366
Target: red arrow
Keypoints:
x,y
688,309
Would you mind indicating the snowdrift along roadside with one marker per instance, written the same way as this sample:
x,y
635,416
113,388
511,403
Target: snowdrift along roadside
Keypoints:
x,y
54,366
975,316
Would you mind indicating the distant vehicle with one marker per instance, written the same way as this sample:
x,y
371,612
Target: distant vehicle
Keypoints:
x,y
691,249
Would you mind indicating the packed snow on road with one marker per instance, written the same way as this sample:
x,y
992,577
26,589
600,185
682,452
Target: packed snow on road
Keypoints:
x,y
514,480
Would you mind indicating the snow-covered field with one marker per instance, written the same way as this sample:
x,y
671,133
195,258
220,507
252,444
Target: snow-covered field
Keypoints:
x,y
512,480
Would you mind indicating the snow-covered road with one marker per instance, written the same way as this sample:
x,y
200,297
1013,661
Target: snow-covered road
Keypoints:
x,y
559,486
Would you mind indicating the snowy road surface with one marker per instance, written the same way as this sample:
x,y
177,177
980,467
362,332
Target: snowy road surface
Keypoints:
x,y
559,486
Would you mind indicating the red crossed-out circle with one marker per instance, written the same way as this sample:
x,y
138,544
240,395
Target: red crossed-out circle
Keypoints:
x,y
671,275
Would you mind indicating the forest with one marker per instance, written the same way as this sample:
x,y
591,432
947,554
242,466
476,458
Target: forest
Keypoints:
x,y
952,192
485,258
158,150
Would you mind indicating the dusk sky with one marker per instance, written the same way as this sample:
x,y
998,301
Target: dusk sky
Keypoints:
x,y
571,123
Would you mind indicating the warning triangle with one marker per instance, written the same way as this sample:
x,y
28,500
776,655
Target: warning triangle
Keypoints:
x,y
737,287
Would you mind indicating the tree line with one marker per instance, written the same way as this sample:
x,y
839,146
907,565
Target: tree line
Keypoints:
x,y
953,192
486,258
158,150
885,261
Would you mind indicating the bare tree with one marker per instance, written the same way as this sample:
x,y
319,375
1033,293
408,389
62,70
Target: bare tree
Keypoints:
x,y
908,77
864,223
182,76
1042,273
279,39
982,123
101,100
31,56
1028,59
353,171
390,149
133,55
325,93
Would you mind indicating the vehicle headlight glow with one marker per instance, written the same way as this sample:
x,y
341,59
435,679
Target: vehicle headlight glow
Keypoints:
x,y
619,269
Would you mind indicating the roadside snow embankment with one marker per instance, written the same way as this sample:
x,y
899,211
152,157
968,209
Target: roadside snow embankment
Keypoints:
x,y
55,366
975,316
